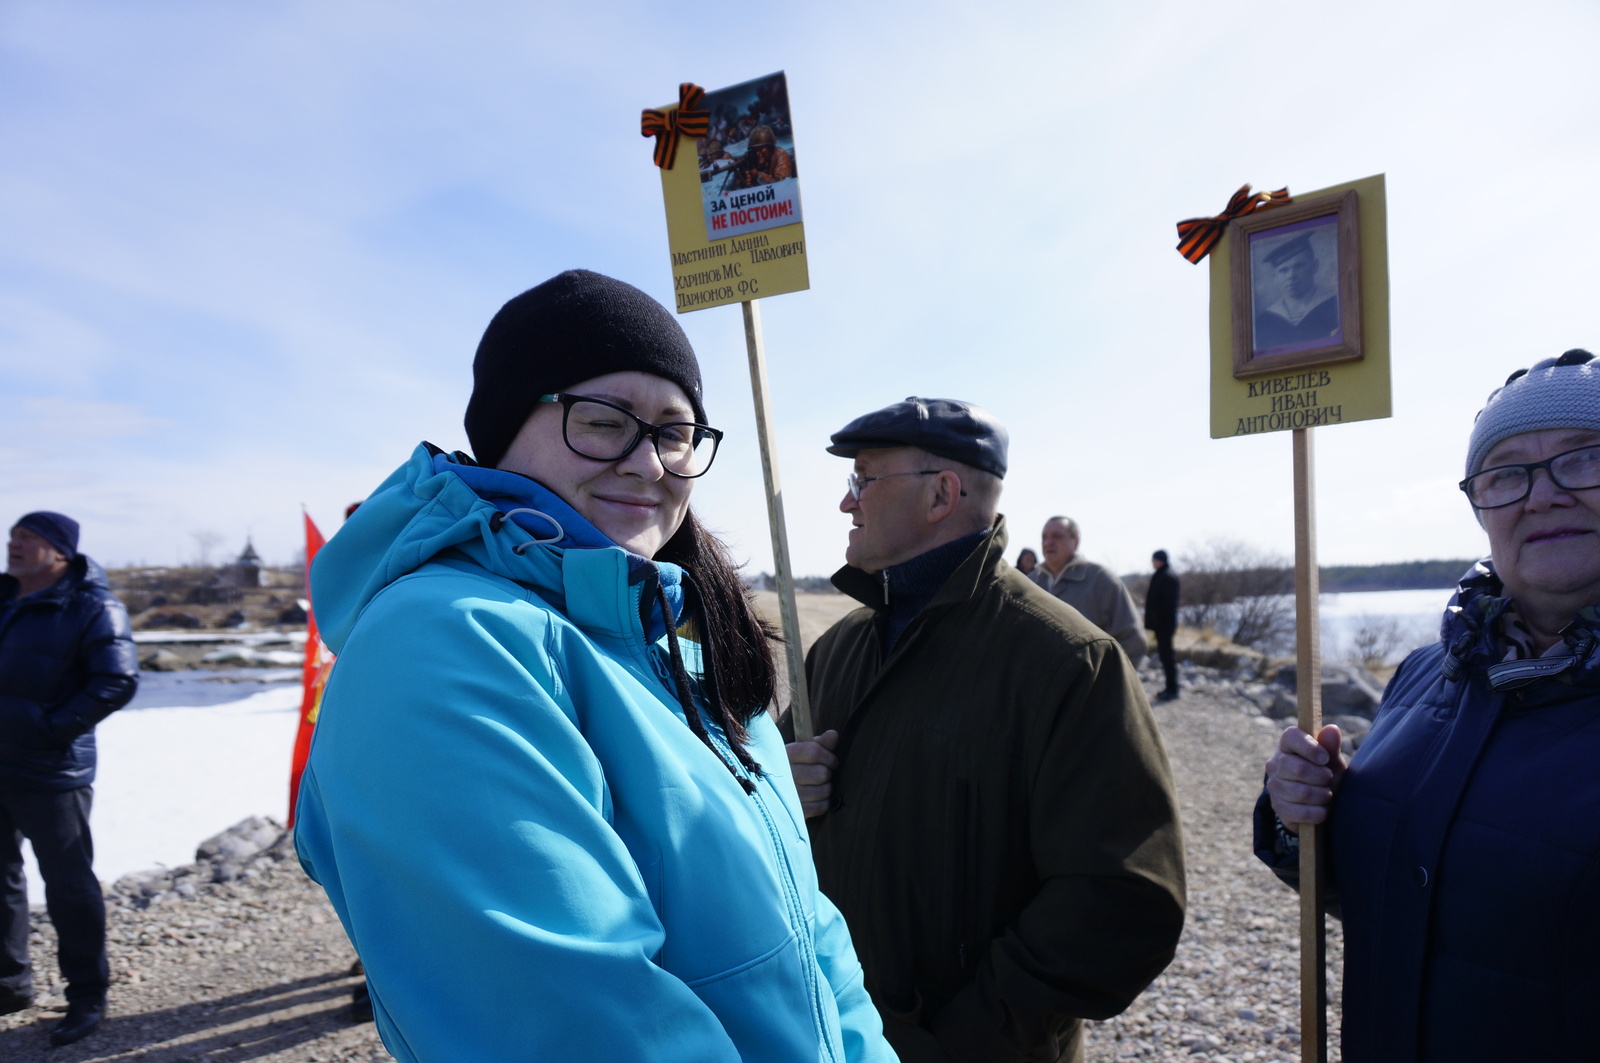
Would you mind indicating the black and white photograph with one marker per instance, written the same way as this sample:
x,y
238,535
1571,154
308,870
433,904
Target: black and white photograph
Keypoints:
x,y
1294,287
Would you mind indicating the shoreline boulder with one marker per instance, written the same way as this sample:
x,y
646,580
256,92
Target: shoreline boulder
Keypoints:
x,y
1347,690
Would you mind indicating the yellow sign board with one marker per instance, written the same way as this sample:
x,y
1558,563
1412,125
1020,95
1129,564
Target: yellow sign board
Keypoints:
x,y
733,206
1277,291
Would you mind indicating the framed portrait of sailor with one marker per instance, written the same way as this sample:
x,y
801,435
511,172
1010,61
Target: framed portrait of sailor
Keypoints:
x,y
1296,286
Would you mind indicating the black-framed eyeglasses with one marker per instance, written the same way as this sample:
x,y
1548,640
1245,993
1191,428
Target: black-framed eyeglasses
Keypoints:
x,y
856,483
1505,485
603,431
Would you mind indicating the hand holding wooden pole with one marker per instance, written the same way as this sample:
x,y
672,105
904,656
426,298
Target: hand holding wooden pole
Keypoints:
x,y
799,703
1308,683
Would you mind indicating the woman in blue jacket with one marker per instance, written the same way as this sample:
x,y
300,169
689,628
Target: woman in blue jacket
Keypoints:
x,y
543,796
1466,831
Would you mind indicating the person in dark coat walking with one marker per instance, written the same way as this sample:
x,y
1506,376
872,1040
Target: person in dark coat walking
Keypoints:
x,y
1161,617
67,662
1465,831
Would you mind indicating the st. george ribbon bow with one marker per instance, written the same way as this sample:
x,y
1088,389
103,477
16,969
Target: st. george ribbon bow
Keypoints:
x,y
1197,236
667,126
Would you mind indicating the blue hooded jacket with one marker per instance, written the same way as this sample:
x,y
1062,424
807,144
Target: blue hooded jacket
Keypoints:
x,y
533,854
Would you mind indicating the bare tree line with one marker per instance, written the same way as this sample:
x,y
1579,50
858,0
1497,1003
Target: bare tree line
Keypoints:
x,y
1246,594
1242,592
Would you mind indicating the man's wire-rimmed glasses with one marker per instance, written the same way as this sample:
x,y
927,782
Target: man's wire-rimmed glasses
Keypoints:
x,y
1505,485
603,431
856,483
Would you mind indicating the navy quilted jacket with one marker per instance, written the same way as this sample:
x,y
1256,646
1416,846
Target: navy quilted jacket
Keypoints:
x,y
67,661
1466,851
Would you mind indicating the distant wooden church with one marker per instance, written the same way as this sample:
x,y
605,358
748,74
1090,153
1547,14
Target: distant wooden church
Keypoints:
x,y
245,571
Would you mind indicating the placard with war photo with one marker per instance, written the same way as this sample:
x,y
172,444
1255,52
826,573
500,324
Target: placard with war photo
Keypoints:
x,y
1300,313
733,203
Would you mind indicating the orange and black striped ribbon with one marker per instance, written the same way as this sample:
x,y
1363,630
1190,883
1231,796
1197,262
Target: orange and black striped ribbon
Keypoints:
x,y
668,126
1197,236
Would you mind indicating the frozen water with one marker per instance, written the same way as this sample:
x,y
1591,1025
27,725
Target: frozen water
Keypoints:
x,y
172,775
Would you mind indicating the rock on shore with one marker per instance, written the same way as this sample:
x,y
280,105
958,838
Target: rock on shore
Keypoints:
x,y
239,957
234,957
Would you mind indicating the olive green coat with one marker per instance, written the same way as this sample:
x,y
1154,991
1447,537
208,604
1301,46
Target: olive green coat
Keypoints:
x,y
1004,839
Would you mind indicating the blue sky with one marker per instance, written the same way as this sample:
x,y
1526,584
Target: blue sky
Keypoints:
x,y
248,250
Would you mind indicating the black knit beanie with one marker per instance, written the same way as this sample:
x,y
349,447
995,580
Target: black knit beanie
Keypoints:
x,y
57,529
574,326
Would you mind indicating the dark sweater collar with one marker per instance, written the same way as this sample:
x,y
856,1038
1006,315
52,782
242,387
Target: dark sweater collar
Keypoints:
x,y
909,587
962,584
922,576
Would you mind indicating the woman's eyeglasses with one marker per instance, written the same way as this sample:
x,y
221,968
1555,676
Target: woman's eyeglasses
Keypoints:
x,y
1504,485
603,431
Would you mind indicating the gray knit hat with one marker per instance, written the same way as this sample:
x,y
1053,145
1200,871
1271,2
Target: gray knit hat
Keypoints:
x,y
1556,393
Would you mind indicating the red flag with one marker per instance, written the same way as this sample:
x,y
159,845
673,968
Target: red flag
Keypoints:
x,y
314,676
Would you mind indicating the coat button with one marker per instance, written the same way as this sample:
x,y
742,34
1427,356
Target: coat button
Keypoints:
x,y
1420,876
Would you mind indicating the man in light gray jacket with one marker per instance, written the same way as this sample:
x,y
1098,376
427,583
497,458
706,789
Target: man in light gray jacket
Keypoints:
x,y
1089,588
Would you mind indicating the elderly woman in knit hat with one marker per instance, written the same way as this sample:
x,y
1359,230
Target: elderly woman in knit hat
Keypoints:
x,y
1465,833
543,796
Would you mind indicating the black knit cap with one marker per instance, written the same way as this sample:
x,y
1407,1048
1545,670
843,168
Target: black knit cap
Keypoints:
x,y
57,529
574,326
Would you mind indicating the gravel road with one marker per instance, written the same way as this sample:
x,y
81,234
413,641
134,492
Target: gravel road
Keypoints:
x,y
1232,993
258,969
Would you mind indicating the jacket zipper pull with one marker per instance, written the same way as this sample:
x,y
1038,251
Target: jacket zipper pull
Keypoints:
x,y
884,575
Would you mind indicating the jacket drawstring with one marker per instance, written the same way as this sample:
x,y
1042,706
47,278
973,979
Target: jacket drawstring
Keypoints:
x,y
499,519
680,675
680,679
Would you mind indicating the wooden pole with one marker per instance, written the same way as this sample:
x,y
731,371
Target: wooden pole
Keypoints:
x,y
799,702
1308,683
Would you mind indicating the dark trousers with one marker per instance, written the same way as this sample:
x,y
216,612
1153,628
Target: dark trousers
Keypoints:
x,y
57,825
1169,659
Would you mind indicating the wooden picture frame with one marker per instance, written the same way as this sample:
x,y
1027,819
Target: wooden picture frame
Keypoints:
x,y
1292,307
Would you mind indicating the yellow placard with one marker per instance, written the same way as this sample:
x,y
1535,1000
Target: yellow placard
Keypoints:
x,y
1308,396
724,183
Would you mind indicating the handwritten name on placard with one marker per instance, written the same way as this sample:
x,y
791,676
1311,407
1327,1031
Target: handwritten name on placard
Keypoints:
x,y
734,222
697,284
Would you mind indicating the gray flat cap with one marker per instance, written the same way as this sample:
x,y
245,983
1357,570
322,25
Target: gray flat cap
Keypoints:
x,y
960,431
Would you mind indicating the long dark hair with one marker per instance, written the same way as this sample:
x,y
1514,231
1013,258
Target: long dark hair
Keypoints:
x,y
740,678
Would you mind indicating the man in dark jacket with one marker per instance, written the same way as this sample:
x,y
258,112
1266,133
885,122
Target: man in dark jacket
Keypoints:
x,y
989,802
66,662
1161,617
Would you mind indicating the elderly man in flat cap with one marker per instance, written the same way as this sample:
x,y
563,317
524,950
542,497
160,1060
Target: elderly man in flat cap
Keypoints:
x,y
67,661
989,802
